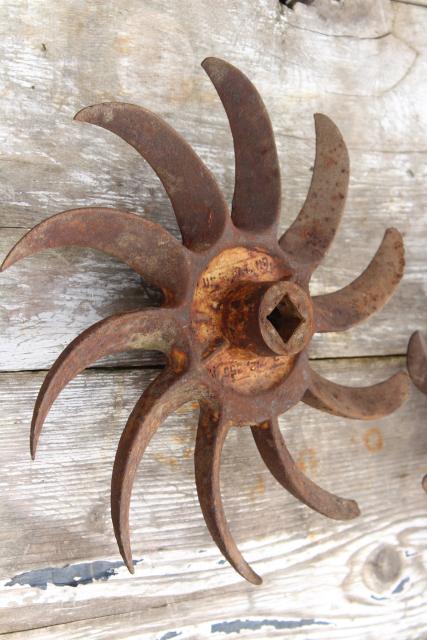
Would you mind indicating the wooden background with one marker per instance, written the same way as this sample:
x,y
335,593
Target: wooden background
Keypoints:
x,y
364,64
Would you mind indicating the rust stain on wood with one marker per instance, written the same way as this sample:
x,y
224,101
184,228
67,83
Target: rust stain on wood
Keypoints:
x,y
373,439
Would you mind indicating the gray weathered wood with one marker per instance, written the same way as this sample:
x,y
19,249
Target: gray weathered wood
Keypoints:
x,y
363,64
55,511
50,163
50,298
354,18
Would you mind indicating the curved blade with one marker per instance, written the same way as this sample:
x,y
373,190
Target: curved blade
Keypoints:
x,y
360,403
145,246
354,303
310,235
417,361
256,200
148,329
274,452
211,434
197,201
164,395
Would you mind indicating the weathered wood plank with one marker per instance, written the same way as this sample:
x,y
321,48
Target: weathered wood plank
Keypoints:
x,y
55,511
73,165
421,3
363,64
49,163
358,18
48,299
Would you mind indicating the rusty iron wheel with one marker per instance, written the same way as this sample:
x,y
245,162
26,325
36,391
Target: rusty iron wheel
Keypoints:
x,y
237,316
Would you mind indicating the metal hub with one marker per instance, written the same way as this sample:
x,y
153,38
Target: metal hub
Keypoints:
x,y
232,300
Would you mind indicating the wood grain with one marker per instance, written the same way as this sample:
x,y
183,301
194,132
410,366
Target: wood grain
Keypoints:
x,y
50,163
364,65
55,511
50,298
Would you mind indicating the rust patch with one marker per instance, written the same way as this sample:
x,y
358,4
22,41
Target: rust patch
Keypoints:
x,y
178,360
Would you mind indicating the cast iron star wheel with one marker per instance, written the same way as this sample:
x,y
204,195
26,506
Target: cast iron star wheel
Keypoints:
x,y
237,316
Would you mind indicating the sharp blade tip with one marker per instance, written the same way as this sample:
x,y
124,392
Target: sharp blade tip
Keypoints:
x,y
211,60
321,118
206,61
394,237
348,510
123,542
80,115
392,231
253,577
354,511
130,566
7,262
88,114
126,554
246,571
35,431
325,128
